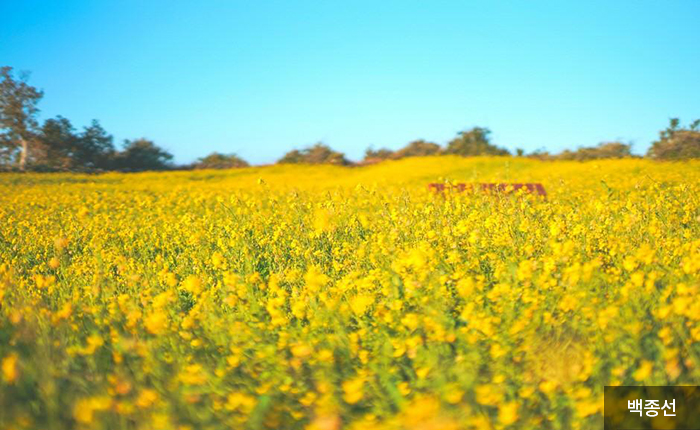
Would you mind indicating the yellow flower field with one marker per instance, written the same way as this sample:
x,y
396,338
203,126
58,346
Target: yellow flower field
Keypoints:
x,y
322,297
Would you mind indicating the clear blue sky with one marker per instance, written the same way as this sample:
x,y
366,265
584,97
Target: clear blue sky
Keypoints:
x,y
259,78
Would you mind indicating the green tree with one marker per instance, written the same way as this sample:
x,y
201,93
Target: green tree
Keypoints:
x,y
18,122
292,157
60,148
474,142
541,154
603,150
95,148
677,143
417,148
142,154
317,154
220,161
373,156
56,144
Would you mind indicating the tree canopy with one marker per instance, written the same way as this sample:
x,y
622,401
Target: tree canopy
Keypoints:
x,y
417,148
316,154
18,111
474,142
603,150
95,148
376,155
676,142
216,160
142,154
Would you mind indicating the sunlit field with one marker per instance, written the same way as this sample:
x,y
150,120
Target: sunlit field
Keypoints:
x,y
326,298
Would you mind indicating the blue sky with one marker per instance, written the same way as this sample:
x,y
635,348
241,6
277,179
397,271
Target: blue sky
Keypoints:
x,y
259,78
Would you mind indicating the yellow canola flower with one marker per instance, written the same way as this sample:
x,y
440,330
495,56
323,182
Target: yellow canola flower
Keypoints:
x,y
315,279
353,390
218,261
10,368
643,371
322,221
585,408
193,374
334,297
237,401
192,284
146,398
84,409
156,322
325,422
453,394
360,303
301,350
508,413
488,394
60,243
94,342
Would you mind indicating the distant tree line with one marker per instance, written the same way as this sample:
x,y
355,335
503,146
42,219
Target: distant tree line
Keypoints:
x,y
474,142
55,144
674,143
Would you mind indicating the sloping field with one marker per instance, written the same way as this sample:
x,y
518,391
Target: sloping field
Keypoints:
x,y
326,297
